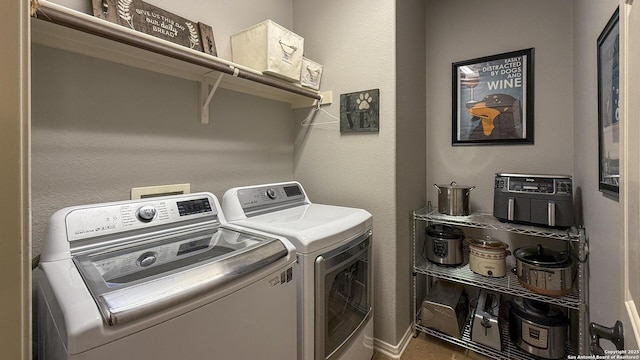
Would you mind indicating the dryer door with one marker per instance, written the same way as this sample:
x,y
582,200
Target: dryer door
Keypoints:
x,y
343,296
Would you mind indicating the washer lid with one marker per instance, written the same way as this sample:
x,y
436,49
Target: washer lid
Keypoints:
x,y
312,227
167,269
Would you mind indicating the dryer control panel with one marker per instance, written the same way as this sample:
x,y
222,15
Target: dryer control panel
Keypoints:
x,y
271,196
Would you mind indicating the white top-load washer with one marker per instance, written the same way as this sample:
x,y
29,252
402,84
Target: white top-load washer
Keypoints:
x,y
335,264
162,278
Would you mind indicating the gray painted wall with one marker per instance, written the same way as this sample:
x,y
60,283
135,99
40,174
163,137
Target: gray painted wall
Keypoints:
x,y
366,48
456,31
99,128
355,41
411,143
603,217
564,35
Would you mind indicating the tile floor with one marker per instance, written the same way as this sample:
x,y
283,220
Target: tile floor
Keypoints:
x,y
425,347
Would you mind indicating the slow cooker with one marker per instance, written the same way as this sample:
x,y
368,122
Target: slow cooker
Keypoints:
x,y
545,271
443,244
487,256
538,328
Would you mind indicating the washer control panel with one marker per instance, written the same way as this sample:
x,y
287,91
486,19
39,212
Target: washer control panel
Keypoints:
x,y
146,213
97,220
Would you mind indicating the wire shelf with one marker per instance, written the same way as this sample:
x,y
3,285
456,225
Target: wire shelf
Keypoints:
x,y
509,350
488,221
508,284
575,302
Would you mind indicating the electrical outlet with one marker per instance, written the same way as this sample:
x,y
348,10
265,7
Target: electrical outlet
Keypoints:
x,y
160,190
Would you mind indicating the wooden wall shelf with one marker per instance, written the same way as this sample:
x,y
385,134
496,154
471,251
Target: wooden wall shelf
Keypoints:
x,y
56,26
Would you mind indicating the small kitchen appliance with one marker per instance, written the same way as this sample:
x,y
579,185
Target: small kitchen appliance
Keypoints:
x,y
487,256
545,271
485,322
443,244
545,200
445,308
453,199
538,328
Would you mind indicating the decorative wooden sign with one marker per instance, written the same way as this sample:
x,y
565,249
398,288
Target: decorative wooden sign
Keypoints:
x,y
149,19
206,37
360,111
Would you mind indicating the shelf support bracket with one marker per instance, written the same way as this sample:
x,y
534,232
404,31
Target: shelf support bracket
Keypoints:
x,y
206,95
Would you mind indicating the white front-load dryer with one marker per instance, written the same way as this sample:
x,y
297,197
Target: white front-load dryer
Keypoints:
x,y
334,250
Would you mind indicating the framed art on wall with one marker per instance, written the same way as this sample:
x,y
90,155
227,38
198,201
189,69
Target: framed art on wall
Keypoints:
x,y
493,100
608,107
360,111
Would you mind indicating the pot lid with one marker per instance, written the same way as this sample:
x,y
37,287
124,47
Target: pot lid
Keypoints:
x,y
539,312
443,231
487,243
454,185
538,255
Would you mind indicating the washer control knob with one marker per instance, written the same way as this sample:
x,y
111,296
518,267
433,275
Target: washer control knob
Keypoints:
x,y
271,194
146,213
147,259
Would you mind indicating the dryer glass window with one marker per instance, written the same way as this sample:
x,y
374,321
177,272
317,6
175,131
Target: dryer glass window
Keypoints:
x,y
347,299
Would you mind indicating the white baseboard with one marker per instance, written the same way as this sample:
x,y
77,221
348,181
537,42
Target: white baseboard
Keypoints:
x,y
393,351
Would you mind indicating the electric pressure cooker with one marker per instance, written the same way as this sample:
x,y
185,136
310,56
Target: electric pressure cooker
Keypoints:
x,y
538,328
443,244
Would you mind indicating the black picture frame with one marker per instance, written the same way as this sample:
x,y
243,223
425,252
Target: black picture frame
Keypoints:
x,y
608,107
492,102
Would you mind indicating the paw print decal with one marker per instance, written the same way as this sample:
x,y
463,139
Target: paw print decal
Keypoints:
x,y
363,101
360,111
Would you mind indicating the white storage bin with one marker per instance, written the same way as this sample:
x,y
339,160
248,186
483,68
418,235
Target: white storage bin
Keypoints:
x,y
310,74
269,48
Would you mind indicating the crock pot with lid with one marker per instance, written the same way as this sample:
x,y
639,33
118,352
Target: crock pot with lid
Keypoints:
x,y
487,256
443,244
544,271
538,328
453,199
488,243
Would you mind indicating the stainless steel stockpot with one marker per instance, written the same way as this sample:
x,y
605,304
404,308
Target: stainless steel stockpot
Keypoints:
x,y
453,199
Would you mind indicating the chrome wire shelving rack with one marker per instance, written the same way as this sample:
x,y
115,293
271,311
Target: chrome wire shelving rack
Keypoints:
x,y
488,221
508,284
575,302
509,351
